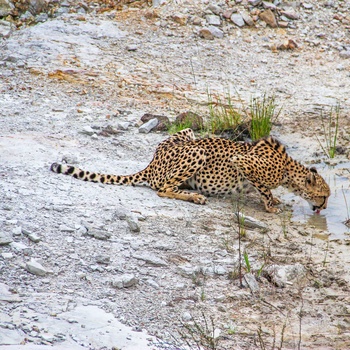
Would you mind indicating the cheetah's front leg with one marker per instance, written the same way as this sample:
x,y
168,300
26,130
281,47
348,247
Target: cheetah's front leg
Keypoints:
x,y
268,199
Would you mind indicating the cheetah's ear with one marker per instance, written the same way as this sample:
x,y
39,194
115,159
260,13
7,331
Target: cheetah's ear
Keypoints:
x,y
311,178
313,170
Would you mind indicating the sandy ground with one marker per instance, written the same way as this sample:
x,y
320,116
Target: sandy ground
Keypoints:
x,y
61,78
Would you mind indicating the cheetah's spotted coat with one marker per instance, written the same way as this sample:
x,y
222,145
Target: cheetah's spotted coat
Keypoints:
x,y
217,166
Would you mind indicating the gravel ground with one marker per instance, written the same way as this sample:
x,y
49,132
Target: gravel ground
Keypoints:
x,y
88,266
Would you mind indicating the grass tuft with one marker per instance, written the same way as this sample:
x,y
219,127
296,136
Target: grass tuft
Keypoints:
x,y
223,116
263,114
330,128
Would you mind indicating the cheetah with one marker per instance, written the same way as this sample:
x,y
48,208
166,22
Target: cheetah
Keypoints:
x,y
218,166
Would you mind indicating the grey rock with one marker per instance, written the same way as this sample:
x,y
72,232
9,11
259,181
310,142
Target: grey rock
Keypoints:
x,y
133,223
208,270
98,234
70,158
152,283
6,295
251,222
21,247
216,32
247,19
123,126
156,3
186,316
307,6
32,236
87,130
37,6
269,5
6,29
217,10
35,268
132,47
254,2
250,281
17,231
124,281
5,239
238,20
291,14
213,20
6,7
344,54
220,270
281,275
11,337
65,228
188,270
205,33
147,127
150,259
26,16
43,17
103,259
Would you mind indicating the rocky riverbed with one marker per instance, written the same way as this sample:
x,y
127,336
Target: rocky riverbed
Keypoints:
x,y
89,266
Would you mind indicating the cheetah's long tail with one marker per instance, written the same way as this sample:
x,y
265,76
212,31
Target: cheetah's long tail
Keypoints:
x,y
139,178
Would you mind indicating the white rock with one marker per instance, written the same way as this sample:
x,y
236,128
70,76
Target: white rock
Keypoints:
x,y
133,223
5,239
88,130
17,231
152,283
238,20
150,259
281,275
186,316
19,246
216,32
35,268
250,281
124,281
123,126
254,2
251,222
147,127
213,20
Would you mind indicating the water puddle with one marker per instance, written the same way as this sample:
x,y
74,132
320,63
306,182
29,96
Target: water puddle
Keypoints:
x,y
333,218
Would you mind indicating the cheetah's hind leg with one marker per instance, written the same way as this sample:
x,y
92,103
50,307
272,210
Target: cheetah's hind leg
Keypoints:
x,y
192,159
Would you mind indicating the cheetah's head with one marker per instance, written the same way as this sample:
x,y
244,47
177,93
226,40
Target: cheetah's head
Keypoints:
x,y
315,191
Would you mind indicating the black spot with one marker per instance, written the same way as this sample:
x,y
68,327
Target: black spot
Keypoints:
x,y
70,170
108,177
59,168
82,173
125,180
112,181
102,179
75,176
92,176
